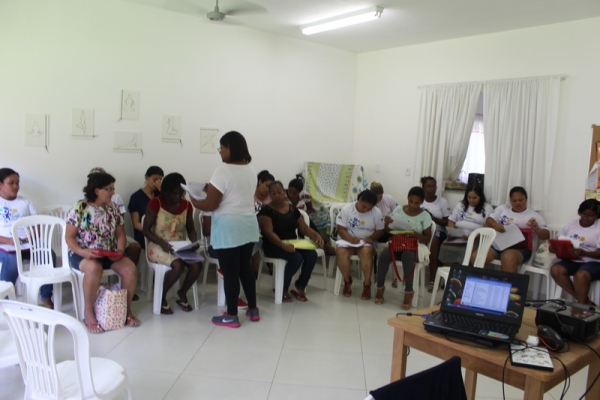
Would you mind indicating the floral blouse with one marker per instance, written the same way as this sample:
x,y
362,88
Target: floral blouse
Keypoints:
x,y
96,226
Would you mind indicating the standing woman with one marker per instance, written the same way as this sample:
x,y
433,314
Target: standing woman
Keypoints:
x,y
230,196
437,206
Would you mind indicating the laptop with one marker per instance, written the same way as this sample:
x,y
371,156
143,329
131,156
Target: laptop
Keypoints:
x,y
482,305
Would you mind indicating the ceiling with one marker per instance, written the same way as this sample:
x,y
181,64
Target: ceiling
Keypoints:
x,y
403,22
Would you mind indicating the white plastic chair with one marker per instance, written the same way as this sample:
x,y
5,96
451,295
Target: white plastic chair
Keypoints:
x,y
59,211
7,289
486,237
39,230
8,350
540,273
159,271
141,266
34,331
208,261
419,270
320,252
278,271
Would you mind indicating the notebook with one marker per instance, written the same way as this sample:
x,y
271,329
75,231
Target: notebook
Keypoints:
x,y
562,247
482,305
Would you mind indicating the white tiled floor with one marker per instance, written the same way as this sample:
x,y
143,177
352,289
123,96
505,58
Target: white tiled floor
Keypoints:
x,y
328,348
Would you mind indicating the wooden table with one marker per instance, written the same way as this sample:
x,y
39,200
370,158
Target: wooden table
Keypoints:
x,y
409,332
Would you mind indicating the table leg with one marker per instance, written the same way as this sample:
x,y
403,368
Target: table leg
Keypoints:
x,y
593,370
534,389
398,356
470,383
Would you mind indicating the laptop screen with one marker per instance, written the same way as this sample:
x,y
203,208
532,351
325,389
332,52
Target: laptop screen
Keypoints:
x,y
484,292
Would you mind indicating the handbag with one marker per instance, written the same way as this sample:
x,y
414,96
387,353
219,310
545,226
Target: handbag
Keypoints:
x,y
111,307
399,243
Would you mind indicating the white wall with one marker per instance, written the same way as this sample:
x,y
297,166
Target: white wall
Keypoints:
x,y
388,98
293,101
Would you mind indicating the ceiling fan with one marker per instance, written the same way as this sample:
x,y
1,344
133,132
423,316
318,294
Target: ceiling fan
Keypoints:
x,y
216,14
246,7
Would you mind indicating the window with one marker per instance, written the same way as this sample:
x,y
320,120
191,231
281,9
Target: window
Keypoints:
x,y
475,159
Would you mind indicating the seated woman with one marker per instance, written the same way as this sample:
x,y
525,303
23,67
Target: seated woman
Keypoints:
x,y
469,214
438,207
261,194
168,217
299,197
358,222
140,199
279,221
95,223
15,207
514,213
585,230
420,221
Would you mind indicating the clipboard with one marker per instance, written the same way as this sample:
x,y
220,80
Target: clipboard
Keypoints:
x,y
302,244
562,247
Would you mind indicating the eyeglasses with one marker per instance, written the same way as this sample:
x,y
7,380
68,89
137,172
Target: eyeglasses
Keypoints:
x,y
219,149
109,189
582,215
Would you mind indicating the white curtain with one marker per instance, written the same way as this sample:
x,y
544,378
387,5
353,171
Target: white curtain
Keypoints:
x,y
520,120
445,122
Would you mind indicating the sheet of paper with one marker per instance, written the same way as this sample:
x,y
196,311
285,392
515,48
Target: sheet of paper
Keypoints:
x,y
189,256
400,224
182,245
343,243
511,236
195,190
458,232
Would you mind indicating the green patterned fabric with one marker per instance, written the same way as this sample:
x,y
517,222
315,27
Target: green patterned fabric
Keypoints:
x,y
332,183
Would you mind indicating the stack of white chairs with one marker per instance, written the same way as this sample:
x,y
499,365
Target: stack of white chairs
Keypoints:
x,y
8,350
486,237
159,271
34,331
39,230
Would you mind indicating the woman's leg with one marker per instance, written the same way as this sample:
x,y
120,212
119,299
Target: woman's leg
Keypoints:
x,y
408,265
383,265
190,279
246,276
365,254
171,276
310,260
92,275
560,274
229,261
582,280
510,260
10,271
343,260
125,268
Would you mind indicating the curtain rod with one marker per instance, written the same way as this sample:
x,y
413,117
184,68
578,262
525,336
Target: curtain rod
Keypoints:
x,y
562,78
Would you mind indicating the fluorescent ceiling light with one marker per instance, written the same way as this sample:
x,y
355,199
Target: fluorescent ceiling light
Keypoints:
x,y
340,21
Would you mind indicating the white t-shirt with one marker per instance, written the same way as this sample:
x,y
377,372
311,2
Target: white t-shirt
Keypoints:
x,y
237,183
387,204
12,210
588,238
469,219
118,200
439,209
360,225
504,215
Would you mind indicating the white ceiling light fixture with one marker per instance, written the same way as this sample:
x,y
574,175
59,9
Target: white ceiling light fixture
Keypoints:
x,y
340,21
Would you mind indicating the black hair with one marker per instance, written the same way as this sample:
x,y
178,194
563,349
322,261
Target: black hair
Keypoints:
x,y
154,170
171,182
417,191
6,172
518,189
589,204
95,181
479,209
297,183
275,183
368,196
264,176
427,178
238,148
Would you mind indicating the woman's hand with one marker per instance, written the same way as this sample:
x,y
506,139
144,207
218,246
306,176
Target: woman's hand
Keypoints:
x,y
167,248
120,251
499,228
195,247
88,253
319,241
368,240
576,252
388,220
288,247
533,224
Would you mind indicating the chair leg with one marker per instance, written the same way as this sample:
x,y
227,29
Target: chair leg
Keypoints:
x,y
279,269
150,284
73,282
143,265
338,282
195,294
57,294
159,278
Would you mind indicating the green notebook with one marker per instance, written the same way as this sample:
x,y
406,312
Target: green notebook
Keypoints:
x,y
401,232
302,244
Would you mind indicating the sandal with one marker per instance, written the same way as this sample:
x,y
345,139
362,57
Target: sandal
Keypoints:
x,y
366,294
286,298
301,296
408,298
379,295
132,321
430,288
166,310
94,328
184,306
348,288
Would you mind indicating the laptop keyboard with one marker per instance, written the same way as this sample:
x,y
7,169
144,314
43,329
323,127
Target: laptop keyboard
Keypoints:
x,y
476,323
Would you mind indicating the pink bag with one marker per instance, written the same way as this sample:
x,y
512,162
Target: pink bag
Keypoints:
x,y
111,307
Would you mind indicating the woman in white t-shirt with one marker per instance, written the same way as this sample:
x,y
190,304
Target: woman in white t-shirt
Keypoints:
x,y
359,225
12,208
468,215
438,207
234,230
514,213
586,231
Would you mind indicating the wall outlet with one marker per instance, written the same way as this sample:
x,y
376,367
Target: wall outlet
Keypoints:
x,y
407,171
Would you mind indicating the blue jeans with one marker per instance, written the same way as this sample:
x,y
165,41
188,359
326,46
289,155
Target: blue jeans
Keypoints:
x,y
300,258
10,270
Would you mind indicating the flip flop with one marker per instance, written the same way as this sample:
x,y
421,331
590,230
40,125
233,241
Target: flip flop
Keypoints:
x,y
300,296
166,310
94,328
184,306
132,322
286,298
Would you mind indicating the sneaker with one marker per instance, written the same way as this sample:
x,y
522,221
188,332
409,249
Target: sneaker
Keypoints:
x,y
226,320
242,304
252,313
